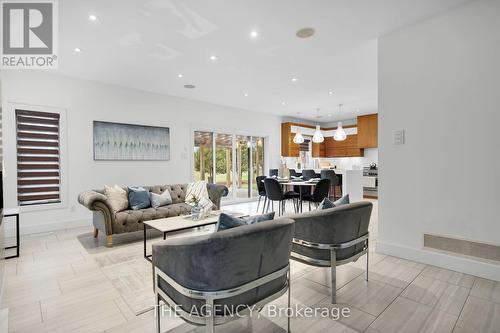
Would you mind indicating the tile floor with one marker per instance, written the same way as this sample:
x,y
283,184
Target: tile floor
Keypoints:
x,y
66,281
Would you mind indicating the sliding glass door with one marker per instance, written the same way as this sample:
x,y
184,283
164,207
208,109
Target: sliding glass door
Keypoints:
x,y
229,159
224,160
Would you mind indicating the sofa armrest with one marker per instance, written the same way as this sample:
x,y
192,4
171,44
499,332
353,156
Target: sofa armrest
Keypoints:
x,y
216,192
98,202
89,198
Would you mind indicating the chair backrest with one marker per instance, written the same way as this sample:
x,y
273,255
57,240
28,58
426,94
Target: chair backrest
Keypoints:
x,y
308,174
273,172
321,190
332,226
273,189
293,173
260,184
225,260
329,174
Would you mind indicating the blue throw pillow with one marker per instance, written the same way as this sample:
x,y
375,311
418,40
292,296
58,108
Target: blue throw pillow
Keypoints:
x,y
325,204
138,198
227,221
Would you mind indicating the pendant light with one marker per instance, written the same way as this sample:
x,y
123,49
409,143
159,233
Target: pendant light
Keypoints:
x,y
298,138
340,134
318,136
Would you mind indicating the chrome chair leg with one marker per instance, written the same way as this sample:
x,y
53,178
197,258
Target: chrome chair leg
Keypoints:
x,y
367,255
264,206
333,261
158,313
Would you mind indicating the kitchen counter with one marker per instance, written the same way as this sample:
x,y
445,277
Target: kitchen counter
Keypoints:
x,y
352,182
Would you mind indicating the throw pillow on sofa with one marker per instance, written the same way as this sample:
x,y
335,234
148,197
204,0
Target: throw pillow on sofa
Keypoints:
x,y
227,221
327,203
198,189
117,198
138,198
159,200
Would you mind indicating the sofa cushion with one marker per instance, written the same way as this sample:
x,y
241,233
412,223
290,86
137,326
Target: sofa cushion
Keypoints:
x,y
199,190
159,200
131,220
325,204
116,198
138,198
227,221
342,201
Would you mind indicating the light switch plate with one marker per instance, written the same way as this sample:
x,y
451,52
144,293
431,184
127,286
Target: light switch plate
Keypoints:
x,y
398,137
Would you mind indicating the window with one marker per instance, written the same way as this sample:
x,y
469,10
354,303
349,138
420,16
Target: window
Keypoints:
x,y
38,157
230,160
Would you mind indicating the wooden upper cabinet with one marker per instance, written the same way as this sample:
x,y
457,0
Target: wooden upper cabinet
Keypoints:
x,y
318,149
368,131
288,147
347,148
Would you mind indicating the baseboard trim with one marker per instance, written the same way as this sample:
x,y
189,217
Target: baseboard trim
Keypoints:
x,y
453,262
48,227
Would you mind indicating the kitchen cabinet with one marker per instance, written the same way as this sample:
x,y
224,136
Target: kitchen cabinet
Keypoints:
x,y
347,148
288,147
368,131
318,150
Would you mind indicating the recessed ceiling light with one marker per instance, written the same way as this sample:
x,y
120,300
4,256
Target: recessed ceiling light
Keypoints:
x,y
78,50
305,32
180,76
245,94
283,103
254,34
294,79
213,58
330,93
189,86
92,17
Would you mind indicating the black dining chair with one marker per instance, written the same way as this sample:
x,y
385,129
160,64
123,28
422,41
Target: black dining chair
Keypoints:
x,y
273,172
262,191
294,173
308,174
320,192
334,181
274,192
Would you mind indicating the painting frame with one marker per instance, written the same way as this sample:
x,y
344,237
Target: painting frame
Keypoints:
x,y
160,154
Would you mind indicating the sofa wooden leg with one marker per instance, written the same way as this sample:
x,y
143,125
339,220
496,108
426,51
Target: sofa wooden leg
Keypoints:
x,y
109,240
96,232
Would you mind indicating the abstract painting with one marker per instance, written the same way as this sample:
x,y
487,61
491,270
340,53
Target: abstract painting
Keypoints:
x,y
126,142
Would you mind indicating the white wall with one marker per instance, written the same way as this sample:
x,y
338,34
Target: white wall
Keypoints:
x,y
85,101
439,80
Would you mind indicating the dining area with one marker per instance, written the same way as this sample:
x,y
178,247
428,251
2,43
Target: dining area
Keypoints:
x,y
307,186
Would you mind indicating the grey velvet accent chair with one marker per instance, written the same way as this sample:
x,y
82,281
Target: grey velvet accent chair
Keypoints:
x,y
332,237
204,278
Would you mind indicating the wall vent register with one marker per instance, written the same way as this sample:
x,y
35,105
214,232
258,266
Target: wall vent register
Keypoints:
x,y
38,157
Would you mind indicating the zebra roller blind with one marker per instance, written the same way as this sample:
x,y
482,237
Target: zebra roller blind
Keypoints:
x,y
38,167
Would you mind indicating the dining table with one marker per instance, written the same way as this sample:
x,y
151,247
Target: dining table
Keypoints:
x,y
290,182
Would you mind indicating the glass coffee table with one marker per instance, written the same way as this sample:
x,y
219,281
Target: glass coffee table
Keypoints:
x,y
179,223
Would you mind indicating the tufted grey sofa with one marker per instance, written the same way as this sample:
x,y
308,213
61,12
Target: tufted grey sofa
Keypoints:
x,y
131,220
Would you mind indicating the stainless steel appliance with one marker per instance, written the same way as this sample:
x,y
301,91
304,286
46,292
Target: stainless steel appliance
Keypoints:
x,y
370,181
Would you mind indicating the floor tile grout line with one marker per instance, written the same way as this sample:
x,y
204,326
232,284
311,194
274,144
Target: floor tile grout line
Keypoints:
x,y
463,306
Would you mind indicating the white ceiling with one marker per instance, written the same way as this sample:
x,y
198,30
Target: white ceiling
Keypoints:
x,y
146,44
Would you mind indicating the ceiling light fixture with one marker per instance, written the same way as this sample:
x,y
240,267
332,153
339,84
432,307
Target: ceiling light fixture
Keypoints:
x,y
305,32
298,138
294,79
213,58
78,50
340,134
330,93
254,34
283,103
92,17
245,94
318,136
189,86
180,76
